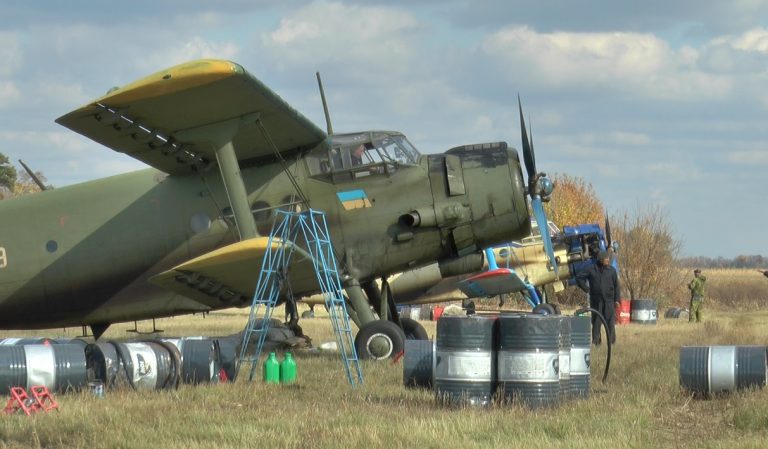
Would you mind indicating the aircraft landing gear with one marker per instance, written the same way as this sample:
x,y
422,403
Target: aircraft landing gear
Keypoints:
x,y
379,340
545,309
413,330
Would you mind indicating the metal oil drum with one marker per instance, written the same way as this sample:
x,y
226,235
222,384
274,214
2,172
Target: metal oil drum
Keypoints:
x,y
564,358
60,368
581,328
199,361
465,359
715,369
417,363
643,311
529,359
140,365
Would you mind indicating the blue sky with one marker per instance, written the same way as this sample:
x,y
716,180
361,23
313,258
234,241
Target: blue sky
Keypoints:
x,y
652,102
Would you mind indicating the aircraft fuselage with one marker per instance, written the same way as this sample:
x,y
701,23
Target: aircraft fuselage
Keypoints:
x,y
83,254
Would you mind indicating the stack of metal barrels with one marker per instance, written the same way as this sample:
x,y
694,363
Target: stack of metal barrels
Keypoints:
x,y
71,365
528,359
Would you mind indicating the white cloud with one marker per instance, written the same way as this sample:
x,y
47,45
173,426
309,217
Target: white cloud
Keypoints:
x,y
9,94
755,39
193,48
631,63
596,144
10,53
673,172
68,95
362,42
60,142
754,157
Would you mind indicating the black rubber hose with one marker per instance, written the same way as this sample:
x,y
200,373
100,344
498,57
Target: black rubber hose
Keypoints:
x,y
607,337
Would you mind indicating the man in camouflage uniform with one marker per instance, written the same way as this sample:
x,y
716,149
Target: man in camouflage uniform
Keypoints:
x,y
696,286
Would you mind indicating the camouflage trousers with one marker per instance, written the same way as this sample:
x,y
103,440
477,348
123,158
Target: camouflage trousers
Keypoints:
x,y
697,312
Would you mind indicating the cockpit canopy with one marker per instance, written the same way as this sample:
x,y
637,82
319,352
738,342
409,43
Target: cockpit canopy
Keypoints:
x,y
363,154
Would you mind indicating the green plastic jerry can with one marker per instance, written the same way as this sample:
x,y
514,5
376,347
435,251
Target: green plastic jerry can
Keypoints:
x,y
288,369
271,369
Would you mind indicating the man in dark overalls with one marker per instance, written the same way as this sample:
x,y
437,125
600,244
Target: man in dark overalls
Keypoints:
x,y
602,283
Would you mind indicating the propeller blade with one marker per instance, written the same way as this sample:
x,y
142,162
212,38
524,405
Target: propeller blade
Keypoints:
x,y
541,220
608,238
530,161
530,138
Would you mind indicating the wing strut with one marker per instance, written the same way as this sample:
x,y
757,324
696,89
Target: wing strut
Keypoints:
x,y
220,135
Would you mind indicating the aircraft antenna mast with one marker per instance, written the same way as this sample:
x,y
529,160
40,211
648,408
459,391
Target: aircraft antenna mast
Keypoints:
x,y
325,105
33,176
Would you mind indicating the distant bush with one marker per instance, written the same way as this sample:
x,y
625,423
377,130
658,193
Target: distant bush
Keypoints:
x,y
648,254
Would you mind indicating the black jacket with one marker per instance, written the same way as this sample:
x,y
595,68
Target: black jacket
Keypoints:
x,y
602,284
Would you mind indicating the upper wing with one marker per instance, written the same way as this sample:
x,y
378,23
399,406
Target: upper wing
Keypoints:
x,y
228,276
169,119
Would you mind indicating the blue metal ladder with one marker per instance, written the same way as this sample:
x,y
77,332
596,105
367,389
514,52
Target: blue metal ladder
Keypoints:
x,y
310,226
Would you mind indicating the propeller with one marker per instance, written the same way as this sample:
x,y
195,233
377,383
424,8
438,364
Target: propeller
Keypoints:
x,y
608,239
539,188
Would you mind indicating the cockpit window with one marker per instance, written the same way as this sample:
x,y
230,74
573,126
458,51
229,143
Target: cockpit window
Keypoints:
x,y
363,154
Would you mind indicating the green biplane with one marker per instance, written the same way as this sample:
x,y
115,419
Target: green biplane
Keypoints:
x,y
188,234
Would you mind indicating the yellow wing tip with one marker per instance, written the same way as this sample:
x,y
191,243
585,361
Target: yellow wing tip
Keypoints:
x,y
173,79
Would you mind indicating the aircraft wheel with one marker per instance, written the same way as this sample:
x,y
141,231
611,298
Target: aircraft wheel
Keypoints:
x,y
413,330
544,309
307,314
379,340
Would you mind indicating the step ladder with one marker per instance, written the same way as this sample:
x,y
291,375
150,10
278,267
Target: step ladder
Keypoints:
x,y
41,401
291,228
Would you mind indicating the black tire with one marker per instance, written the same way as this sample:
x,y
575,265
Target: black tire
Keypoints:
x,y
385,332
413,330
557,309
673,312
544,309
307,314
469,307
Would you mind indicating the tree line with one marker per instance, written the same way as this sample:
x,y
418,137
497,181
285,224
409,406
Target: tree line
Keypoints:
x,y
741,261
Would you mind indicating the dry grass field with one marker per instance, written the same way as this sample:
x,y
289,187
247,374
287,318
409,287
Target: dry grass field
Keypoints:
x,y
640,406
737,289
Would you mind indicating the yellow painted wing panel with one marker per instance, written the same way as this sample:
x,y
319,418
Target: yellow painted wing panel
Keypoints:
x,y
176,103
228,276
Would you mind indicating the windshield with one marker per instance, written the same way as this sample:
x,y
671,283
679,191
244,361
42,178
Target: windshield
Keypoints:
x,y
378,152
